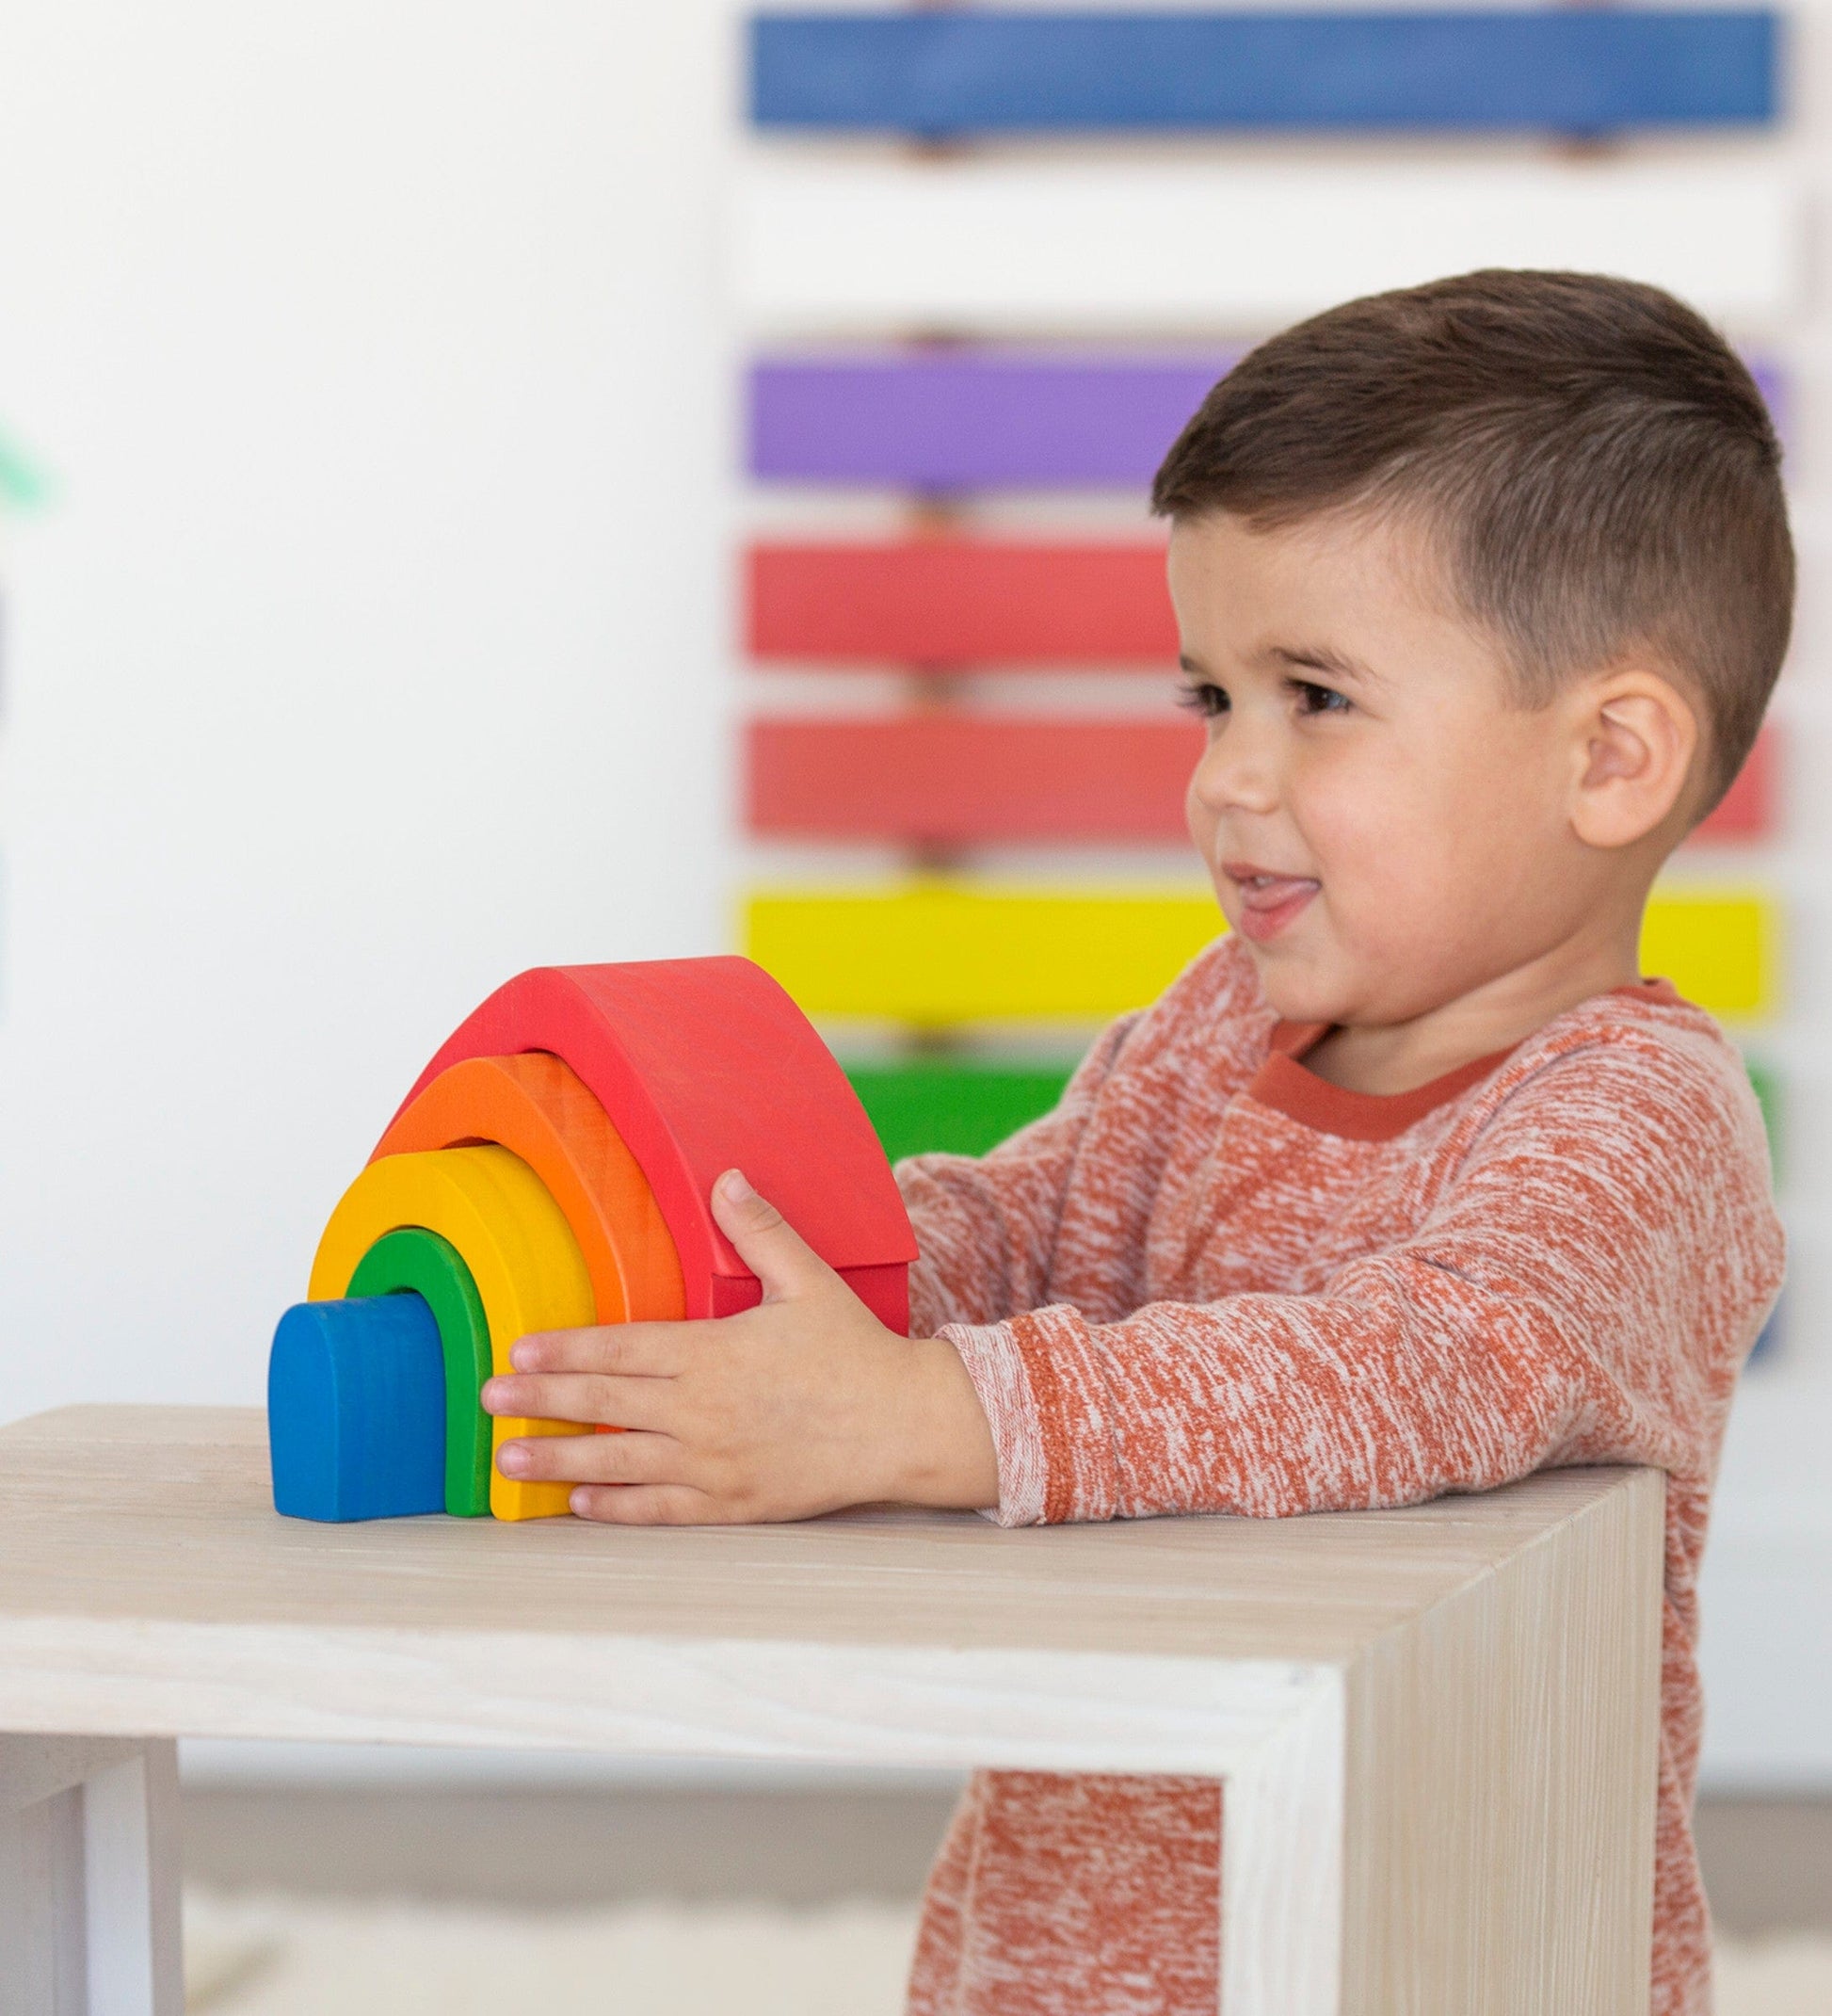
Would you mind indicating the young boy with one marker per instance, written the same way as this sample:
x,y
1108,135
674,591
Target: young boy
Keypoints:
x,y
1411,1184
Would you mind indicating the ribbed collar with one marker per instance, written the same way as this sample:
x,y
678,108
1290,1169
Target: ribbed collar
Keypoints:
x,y
1284,1084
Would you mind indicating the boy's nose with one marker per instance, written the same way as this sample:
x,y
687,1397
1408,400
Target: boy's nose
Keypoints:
x,y
1238,771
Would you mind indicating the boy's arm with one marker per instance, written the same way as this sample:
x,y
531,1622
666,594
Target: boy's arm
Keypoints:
x,y
1584,1293
986,1226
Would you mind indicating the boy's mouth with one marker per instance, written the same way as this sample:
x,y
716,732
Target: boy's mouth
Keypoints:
x,y
1268,901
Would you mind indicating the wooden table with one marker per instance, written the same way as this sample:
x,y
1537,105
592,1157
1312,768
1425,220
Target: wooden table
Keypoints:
x,y
1436,1727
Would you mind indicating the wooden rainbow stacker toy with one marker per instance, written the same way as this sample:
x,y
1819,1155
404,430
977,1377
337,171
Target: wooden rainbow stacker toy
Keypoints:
x,y
551,1168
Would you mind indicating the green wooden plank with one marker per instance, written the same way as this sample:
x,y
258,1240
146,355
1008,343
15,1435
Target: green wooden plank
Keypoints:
x,y
1767,1081
959,1107
966,1108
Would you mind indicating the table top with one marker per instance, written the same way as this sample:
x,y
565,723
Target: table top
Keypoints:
x,y
135,1518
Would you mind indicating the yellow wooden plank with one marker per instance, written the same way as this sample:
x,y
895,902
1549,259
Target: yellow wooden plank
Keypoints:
x,y
1720,948
937,954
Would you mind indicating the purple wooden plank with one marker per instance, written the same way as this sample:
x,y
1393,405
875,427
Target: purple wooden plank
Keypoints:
x,y
979,420
1771,382
972,421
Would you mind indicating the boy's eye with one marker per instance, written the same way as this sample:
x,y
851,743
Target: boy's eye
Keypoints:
x,y
1313,699
1201,696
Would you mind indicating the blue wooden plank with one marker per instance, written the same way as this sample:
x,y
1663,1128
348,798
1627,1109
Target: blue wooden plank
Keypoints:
x,y
1770,1344
1568,69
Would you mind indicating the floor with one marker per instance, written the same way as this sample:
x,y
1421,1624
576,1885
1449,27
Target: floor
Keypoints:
x,y
691,1901
296,1957
561,1850
1768,1865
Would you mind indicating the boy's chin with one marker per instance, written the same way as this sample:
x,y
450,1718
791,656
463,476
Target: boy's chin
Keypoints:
x,y
1294,990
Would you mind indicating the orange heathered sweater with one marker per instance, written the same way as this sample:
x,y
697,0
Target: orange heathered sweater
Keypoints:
x,y
1211,1282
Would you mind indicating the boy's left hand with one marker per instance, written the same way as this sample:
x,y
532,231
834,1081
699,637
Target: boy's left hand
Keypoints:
x,y
802,1405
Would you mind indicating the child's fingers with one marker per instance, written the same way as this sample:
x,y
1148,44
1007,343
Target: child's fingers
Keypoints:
x,y
645,1505
618,1402
644,1350
767,1244
638,1458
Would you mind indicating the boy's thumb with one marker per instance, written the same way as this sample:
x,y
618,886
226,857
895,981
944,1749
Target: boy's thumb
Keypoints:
x,y
767,1244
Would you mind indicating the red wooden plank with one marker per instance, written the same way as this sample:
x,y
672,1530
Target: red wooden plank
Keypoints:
x,y
958,602
953,780
1747,811
957,778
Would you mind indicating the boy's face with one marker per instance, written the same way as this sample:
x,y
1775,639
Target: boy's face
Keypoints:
x,y
1385,828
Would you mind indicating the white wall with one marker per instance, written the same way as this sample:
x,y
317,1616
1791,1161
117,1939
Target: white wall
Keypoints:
x,y
375,648
378,644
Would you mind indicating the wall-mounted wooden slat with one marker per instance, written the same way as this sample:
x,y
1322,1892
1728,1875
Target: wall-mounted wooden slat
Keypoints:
x,y
1772,1341
937,955
980,420
975,422
1081,246
960,1107
1720,948
966,1106
949,602
941,954
1748,809
991,71
1766,1082
960,779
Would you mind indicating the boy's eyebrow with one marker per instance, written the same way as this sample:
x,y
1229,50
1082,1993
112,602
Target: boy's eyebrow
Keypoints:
x,y
1306,658
1325,659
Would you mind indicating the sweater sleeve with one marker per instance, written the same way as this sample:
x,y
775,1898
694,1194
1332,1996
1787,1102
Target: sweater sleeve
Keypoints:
x,y
1584,1291
986,1227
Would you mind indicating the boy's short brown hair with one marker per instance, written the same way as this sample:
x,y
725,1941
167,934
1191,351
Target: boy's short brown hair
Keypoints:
x,y
1593,462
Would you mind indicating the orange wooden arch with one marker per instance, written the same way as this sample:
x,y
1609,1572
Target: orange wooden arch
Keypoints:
x,y
536,1107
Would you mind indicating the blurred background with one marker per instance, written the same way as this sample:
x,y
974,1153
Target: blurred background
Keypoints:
x,y
487,487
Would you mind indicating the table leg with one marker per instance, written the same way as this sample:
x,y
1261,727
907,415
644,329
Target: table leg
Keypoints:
x,y
1499,1784
1281,1867
89,1878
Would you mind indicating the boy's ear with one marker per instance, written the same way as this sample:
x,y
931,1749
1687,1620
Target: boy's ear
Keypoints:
x,y
1636,739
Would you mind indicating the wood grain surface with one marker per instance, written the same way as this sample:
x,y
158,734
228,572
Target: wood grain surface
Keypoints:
x,y
146,1516
1498,1843
1435,1726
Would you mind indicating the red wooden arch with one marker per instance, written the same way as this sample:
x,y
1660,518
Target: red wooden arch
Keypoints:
x,y
705,1065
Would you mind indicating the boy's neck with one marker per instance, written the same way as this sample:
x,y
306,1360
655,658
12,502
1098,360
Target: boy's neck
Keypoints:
x,y
1493,1017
